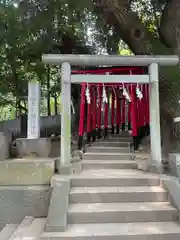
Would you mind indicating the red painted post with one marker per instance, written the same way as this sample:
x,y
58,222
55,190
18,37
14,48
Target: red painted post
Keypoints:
x,y
134,125
118,112
99,113
89,115
148,117
123,121
112,111
129,109
143,110
94,114
140,106
106,116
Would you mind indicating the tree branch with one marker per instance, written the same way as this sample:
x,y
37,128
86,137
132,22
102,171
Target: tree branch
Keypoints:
x,y
170,24
130,27
137,36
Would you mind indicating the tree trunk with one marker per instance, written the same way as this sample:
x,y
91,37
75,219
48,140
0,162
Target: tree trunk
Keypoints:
x,y
170,25
15,76
142,42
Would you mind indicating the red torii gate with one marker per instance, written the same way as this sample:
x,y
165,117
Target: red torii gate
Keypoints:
x,y
138,109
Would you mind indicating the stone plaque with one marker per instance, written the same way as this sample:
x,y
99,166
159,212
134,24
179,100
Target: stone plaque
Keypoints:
x,y
33,110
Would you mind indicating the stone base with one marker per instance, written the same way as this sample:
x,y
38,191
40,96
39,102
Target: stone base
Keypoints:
x,y
156,169
72,168
142,163
26,171
40,147
174,164
4,146
172,186
58,208
18,202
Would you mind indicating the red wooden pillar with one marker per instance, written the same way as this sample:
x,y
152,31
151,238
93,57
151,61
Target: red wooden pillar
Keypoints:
x,y
118,112
94,114
82,116
99,113
112,111
143,110
89,116
140,118
134,125
129,109
138,102
106,115
147,106
123,119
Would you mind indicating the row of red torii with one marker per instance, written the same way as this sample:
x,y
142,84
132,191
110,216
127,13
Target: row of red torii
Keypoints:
x,y
140,88
129,106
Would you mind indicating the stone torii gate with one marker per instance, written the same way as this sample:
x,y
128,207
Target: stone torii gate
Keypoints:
x,y
152,62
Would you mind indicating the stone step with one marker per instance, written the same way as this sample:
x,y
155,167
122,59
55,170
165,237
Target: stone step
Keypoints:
x,y
26,171
121,133
7,231
109,178
24,200
117,194
109,164
121,212
111,144
95,149
35,229
118,231
117,138
107,156
22,228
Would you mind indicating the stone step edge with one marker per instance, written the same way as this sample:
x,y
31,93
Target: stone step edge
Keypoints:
x,y
7,231
116,229
22,228
99,190
95,161
80,208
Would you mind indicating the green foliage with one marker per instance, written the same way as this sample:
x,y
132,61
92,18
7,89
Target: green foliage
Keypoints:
x,y
29,29
124,49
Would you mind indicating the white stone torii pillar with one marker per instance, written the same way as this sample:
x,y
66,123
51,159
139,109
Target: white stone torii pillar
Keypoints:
x,y
91,60
155,132
65,114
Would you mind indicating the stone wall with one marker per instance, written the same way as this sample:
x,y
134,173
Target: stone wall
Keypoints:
x,y
174,164
16,128
25,189
16,202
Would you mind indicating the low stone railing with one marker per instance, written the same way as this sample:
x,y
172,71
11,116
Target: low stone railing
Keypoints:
x,y
174,164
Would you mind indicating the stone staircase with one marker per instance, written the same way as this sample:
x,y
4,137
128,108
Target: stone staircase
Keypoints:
x,y
29,229
109,200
